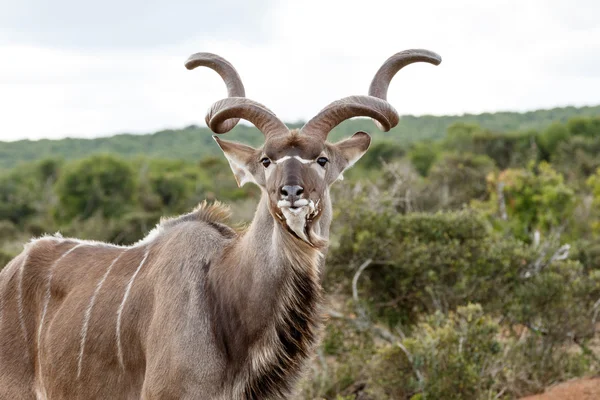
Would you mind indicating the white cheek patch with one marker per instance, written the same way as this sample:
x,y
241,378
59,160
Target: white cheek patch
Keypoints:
x,y
269,171
320,170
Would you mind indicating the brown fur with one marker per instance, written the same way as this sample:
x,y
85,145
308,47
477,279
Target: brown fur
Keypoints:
x,y
166,302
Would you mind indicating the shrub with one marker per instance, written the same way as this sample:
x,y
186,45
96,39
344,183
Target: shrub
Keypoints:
x,y
507,149
536,198
98,184
584,126
577,158
456,356
459,136
551,138
422,156
424,262
381,151
460,178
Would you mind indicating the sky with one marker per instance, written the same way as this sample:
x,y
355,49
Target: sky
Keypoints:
x,y
88,69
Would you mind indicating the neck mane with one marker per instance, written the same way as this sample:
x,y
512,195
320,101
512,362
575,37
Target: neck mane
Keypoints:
x,y
266,299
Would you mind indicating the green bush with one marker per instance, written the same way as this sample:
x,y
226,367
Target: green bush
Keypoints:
x,y
459,136
338,371
381,151
551,138
448,356
99,184
534,199
545,301
459,178
170,186
584,126
423,155
507,149
577,158
424,262
19,197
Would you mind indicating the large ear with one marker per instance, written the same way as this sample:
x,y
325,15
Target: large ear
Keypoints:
x,y
351,150
240,159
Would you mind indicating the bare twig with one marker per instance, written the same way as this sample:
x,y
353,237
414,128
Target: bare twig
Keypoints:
x,y
501,201
363,322
561,254
359,271
361,325
541,262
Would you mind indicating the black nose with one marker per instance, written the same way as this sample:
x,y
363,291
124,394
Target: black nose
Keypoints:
x,y
291,192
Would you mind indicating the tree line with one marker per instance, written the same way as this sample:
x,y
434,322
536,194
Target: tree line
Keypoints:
x,y
193,143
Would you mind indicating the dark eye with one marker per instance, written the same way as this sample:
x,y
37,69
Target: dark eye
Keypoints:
x,y
265,162
322,161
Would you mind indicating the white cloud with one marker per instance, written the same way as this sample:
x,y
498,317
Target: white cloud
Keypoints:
x,y
501,55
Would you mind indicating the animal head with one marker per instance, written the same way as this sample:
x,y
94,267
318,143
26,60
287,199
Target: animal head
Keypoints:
x,y
296,167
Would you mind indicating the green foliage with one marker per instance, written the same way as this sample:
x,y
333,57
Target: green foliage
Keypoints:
x,y
17,198
461,178
550,138
507,149
352,350
577,158
382,151
100,184
536,198
26,192
581,126
593,183
170,185
458,356
469,354
424,262
423,155
459,136
546,301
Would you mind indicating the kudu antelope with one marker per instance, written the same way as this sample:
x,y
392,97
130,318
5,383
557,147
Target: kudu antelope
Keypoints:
x,y
196,310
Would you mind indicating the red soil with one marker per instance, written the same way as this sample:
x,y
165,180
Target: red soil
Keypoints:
x,y
579,389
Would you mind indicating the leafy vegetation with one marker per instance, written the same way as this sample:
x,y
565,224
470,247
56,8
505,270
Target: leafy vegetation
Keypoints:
x,y
466,267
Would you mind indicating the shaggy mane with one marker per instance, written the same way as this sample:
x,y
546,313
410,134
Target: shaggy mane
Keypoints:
x,y
215,214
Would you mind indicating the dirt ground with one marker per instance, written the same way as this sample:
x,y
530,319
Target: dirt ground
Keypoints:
x,y
580,389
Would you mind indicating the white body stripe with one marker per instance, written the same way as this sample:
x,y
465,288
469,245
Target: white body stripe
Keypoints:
x,y
20,304
48,291
47,301
88,313
122,306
